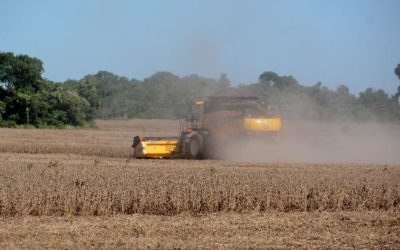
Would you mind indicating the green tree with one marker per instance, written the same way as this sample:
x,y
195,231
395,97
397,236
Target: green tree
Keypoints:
x,y
343,90
269,78
27,98
379,104
20,72
280,82
87,88
397,70
2,110
71,107
224,81
396,97
160,91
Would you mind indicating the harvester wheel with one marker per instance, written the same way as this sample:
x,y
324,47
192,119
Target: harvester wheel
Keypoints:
x,y
195,148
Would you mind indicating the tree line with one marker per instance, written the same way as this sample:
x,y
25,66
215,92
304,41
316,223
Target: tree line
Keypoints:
x,y
27,98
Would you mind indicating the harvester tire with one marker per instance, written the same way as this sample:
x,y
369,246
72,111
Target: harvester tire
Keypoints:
x,y
195,149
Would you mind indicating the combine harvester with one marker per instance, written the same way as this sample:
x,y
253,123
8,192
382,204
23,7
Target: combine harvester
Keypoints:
x,y
212,125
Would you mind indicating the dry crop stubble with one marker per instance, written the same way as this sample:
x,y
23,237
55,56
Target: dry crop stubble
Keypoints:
x,y
105,186
299,230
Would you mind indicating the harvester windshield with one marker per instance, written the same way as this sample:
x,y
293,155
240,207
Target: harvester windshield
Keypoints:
x,y
246,106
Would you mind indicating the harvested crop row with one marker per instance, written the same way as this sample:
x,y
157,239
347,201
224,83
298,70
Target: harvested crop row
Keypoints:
x,y
110,139
60,148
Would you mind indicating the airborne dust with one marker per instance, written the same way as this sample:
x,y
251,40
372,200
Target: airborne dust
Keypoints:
x,y
324,142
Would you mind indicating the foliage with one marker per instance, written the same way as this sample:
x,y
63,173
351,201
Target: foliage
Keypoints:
x,y
295,101
380,104
20,72
165,95
397,70
75,108
27,98
162,95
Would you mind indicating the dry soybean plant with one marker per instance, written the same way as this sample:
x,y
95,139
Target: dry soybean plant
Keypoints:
x,y
97,187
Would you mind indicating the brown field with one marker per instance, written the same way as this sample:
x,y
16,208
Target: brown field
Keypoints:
x,y
78,188
112,138
297,230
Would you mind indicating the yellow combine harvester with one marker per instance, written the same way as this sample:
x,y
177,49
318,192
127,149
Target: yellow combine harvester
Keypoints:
x,y
211,125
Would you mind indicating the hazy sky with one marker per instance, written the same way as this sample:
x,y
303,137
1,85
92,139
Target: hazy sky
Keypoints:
x,y
350,42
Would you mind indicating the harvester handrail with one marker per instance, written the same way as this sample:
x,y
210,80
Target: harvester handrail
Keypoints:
x,y
155,138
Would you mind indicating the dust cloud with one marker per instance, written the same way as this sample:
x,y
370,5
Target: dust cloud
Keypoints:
x,y
323,142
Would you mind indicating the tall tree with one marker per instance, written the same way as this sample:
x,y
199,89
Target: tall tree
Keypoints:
x,y
269,77
397,70
224,81
343,90
396,97
20,72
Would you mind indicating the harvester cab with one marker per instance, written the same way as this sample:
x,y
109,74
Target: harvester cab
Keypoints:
x,y
194,117
211,125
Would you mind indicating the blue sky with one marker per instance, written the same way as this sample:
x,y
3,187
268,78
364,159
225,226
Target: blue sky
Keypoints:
x,y
351,42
